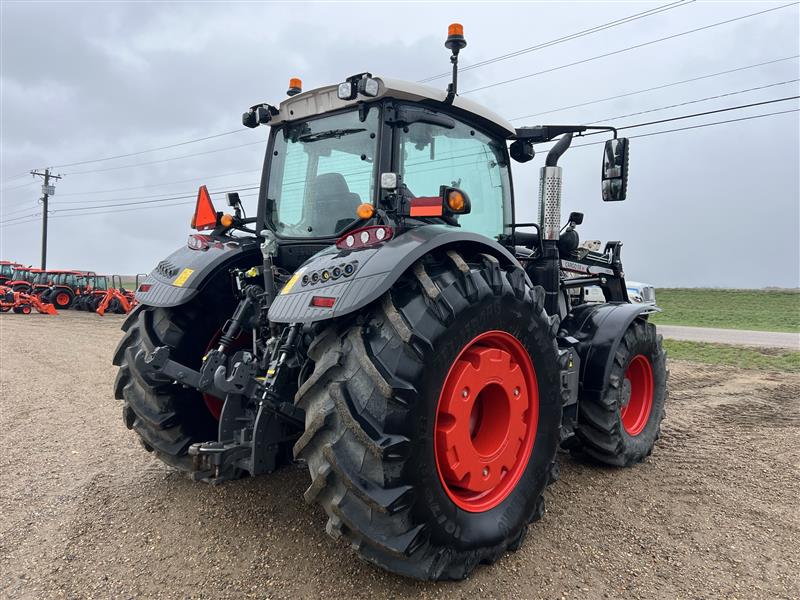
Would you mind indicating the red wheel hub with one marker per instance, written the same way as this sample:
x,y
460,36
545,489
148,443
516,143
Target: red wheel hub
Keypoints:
x,y
62,299
486,421
636,411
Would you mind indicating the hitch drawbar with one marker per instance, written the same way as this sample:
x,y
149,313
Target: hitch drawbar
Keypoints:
x,y
253,423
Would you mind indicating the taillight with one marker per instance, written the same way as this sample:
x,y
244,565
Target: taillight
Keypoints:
x,y
322,301
366,236
145,287
197,242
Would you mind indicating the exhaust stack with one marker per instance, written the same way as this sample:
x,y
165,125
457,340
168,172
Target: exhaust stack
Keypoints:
x,y
550,190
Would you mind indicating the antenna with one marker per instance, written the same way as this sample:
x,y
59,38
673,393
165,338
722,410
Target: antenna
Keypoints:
x,y
455,42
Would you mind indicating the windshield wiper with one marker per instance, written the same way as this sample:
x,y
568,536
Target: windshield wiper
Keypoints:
x,y
324,135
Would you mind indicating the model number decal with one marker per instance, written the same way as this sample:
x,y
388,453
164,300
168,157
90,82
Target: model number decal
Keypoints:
x,y
568,265
181,279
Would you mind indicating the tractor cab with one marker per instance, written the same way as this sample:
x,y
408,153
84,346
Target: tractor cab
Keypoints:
x,y
6,271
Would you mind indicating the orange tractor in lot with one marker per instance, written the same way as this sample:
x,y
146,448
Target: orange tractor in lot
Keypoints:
x,y
65,287
117,299
23,303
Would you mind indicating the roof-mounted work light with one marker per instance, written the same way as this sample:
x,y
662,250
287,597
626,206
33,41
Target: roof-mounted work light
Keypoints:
x,y
363,84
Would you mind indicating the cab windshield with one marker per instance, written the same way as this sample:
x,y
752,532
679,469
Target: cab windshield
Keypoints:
x,y
320,171
21,275
6,270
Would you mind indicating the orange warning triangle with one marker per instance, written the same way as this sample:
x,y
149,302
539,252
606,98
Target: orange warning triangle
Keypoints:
x,y
205,217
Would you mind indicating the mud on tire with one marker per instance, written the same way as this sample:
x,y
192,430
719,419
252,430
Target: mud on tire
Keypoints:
x,y
371,404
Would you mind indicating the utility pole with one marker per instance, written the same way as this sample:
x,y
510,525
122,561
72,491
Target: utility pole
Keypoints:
x,y
47,191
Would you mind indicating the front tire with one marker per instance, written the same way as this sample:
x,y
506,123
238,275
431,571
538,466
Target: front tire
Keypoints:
x,y
620,426
377,445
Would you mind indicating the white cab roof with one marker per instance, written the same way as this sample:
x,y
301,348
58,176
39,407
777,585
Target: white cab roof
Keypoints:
x,y
324,99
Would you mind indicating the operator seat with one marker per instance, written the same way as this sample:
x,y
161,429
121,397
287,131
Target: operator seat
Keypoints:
x,y
333,205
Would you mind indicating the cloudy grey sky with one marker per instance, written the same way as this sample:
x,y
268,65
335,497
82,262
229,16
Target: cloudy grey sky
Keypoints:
x,y
715,206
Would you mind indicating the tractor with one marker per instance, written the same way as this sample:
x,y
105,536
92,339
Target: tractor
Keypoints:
x,y
6,270
117,299
21,277
64,288
93,288
385,320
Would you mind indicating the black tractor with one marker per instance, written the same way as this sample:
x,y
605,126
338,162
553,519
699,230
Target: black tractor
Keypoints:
x,y
384,319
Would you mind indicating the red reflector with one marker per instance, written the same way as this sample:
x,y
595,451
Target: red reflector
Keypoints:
x,y
426,206
145,287
322,301
205,217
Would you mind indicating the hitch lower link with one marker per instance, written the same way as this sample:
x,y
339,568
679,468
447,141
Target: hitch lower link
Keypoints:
x,y
254,423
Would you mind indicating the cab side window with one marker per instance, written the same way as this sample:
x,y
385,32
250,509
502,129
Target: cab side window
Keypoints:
x,y
462,157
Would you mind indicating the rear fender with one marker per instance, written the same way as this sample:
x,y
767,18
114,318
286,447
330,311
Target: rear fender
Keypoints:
x,y
599,329
375,270
184,273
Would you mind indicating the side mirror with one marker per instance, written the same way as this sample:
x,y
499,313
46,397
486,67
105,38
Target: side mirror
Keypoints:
x,y
522,151
615,170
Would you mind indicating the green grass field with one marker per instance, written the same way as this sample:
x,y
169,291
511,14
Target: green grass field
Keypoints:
x,y
765,359
763,310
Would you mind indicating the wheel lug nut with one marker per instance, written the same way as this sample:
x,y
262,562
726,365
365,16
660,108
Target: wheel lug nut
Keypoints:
x,y
516,391
485,471
464,393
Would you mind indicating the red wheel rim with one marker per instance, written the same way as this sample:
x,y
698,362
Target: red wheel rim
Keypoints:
x,y
486,421
241,342
26,310
636,411
62,299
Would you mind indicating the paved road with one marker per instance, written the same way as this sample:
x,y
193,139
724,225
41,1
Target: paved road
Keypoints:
x,y
739,337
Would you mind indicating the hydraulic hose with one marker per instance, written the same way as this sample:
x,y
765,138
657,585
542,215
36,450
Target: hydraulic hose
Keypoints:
x,y
557,150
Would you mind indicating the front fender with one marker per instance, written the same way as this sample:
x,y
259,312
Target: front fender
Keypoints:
x,y
599,329
180,277
375,270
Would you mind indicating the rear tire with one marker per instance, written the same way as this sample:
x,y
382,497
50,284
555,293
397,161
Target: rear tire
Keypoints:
x,y
167,417
620,426
373,424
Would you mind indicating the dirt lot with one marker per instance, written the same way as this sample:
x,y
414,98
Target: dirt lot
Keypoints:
x,y
87,513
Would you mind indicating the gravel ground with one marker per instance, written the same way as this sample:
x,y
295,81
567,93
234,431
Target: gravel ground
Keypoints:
x,y
87,513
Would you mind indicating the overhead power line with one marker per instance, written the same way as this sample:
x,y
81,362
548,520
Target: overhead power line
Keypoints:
x,y
184,143
153,162
18,187
695,101
566,38
107,212
628,49
654,88
700,126
160,184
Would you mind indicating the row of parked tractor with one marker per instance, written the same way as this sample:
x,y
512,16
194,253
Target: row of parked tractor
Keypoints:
x,y
24,289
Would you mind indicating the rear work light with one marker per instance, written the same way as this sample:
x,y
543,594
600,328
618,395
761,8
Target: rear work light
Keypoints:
x,y
364,237
322,301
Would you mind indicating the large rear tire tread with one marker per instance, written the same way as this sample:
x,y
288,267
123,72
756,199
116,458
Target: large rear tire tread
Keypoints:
x,y
167,417
602,437
363,408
